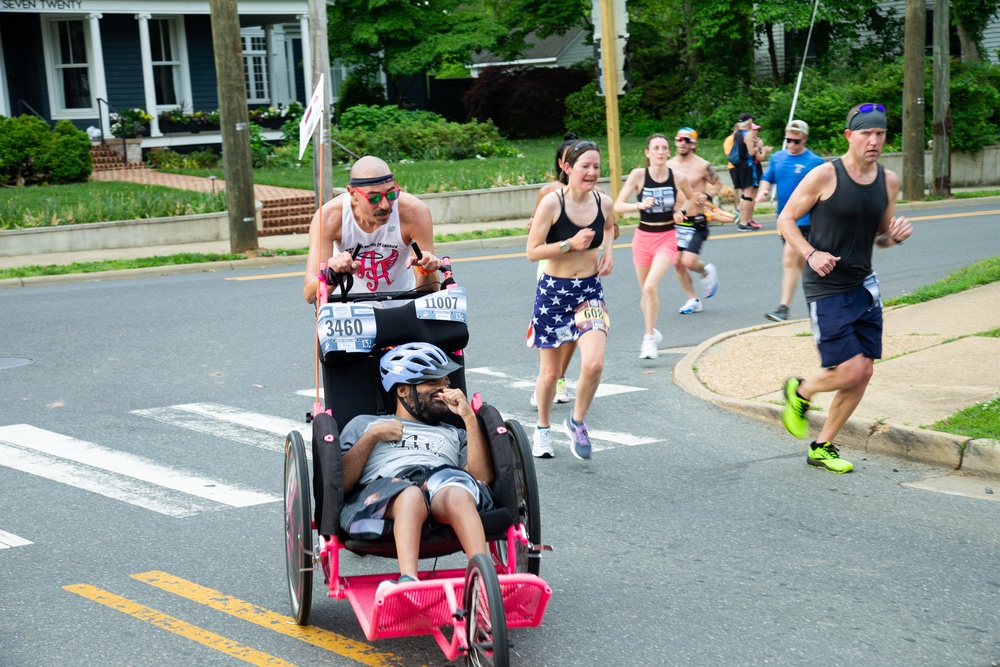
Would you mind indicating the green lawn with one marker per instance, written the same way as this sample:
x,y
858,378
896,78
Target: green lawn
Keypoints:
x,y
535,164
978,421
97,201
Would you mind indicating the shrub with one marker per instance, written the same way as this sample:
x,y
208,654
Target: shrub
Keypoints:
x,y
360,87
66,157
164,158
525,102
429,137
22,141
586,114
260,149
368,117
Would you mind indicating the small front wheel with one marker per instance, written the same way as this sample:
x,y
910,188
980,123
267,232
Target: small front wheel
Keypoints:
x,y
298,528
485,622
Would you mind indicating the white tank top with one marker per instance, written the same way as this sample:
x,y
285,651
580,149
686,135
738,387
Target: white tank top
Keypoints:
x,y
383,253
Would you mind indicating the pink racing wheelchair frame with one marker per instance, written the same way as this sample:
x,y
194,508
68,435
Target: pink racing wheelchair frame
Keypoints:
x,y
434,602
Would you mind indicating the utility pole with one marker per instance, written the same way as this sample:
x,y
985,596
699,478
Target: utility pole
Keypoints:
x,y
320,56
234,119
610,70
942,102
913,99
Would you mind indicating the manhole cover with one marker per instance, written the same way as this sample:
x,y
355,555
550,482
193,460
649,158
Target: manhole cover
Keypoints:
x,y
13,362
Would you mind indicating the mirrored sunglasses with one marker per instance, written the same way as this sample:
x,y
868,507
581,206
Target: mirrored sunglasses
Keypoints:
x,y
375,198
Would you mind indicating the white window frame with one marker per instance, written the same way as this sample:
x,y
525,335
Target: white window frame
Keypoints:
x,y
252,57
53,79
182,74
4,96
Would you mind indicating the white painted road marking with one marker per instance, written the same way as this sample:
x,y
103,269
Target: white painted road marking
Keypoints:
x,y
250,428
603,391
117,475
10,540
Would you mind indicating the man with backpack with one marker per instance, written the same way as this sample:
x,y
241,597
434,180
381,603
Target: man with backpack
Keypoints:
x,y
744,150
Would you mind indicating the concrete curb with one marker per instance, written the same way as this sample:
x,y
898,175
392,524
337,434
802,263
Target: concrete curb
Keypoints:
x,y
977,457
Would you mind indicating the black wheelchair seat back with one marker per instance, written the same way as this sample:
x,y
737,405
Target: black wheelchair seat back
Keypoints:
x,y
352,384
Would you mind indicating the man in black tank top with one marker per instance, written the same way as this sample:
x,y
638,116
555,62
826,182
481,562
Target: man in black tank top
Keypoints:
x,y
851,201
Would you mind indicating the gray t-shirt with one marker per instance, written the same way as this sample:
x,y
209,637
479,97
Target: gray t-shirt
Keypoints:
x,y
422,445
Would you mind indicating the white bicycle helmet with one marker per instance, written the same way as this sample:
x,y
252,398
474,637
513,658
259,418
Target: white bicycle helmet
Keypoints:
x,y
413,363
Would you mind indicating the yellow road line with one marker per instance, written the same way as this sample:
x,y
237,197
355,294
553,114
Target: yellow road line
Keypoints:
x,y
177,626
510,255
285,625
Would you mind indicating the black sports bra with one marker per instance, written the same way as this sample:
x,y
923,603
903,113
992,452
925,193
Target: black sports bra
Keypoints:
x,y
566,229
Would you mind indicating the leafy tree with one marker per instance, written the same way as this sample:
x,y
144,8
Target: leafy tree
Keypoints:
x,y
408,38
971,18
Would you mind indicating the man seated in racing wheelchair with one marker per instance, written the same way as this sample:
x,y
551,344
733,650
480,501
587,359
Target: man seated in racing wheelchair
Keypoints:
x,y
407,467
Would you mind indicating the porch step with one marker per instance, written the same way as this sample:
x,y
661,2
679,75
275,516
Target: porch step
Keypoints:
x,y
288,215
106,159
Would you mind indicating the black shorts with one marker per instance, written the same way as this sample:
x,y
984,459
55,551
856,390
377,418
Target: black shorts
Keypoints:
x,y
690,238
744,176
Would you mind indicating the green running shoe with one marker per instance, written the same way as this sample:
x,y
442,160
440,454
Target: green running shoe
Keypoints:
x,y
825,455
794,415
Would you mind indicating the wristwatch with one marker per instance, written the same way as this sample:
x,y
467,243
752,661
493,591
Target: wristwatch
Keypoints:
x,y
565,247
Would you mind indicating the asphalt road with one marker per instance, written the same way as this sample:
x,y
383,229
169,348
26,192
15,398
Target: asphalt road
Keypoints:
x,y
693,537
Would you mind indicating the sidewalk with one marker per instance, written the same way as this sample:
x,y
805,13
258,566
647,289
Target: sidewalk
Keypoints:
x,y
933,365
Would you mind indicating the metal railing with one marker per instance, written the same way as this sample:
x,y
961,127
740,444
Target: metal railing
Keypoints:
x,y
100,120
30,108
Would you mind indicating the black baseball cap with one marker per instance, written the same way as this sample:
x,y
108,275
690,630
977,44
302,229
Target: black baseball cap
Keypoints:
x,y
744,117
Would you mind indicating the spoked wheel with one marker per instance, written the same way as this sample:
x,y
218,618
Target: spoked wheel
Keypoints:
x,y
528,511
298,528
485,623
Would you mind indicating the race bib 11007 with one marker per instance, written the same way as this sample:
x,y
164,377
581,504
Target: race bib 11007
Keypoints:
x,y
447,305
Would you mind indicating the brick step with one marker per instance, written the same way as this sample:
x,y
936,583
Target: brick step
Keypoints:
x,y
288,211
291,201
291,229
287,221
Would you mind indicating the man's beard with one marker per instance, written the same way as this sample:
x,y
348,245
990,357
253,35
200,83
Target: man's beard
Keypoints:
x,y
426,409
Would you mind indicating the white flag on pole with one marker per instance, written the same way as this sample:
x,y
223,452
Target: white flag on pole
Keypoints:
x,y
312,117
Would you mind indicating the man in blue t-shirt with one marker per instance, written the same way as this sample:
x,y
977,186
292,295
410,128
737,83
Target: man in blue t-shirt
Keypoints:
x,y
787,169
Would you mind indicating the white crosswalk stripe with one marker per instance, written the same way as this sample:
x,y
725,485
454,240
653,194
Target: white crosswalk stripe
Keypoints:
x,y
604,390
223,421
10,540
118,475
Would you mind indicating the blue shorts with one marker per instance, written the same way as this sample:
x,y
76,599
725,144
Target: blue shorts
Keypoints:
x,y
846,325
565,309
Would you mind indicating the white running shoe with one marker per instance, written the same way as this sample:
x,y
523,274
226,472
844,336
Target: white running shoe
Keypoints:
x,y
692,306
710,281
541,445
649,344
533,400
562,395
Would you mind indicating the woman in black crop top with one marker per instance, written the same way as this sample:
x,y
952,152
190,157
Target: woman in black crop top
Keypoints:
x,y
573,230
659,200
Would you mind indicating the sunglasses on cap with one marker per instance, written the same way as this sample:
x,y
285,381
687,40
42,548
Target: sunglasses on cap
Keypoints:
x,y
793,141
375,198
867,108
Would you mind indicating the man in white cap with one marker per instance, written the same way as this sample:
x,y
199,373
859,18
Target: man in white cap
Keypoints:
x,y
786,170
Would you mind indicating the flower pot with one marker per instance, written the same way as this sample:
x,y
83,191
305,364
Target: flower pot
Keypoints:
x,y
173,127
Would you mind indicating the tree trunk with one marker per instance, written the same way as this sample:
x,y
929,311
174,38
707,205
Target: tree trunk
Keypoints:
x,y
942,101
772,52
970,50
234,118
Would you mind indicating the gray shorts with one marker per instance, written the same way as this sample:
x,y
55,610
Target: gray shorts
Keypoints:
x,y
363,516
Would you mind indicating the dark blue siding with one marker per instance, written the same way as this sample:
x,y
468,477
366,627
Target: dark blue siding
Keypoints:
x,y
123,62
201,60
25,63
